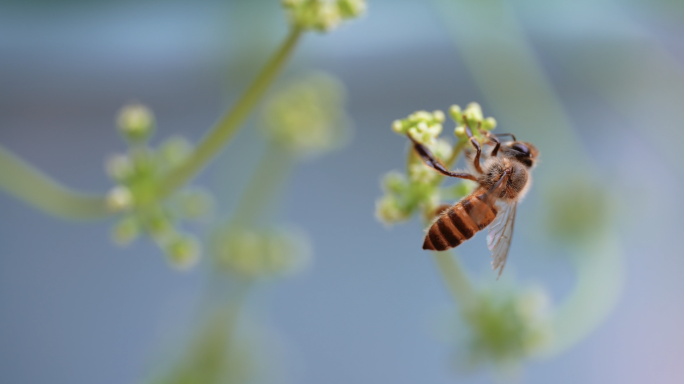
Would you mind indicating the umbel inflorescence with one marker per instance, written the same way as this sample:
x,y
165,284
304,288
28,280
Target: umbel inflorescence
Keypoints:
x,y
137,195
419,190
322,15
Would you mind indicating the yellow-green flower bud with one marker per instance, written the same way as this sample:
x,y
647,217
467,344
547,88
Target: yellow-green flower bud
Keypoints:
x,y
136,122
421,173
158,224
288,252
460,132
173,151
119,199
350,9
456,114
474,110
183,251
388,210
442,149
126,230
438,115
489,124
195,204
394,182
328,17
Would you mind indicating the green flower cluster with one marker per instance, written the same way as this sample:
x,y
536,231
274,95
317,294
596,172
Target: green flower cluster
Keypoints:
x,y
473,118
307,115
322,15
423,126
138,174
418,189
505,327
579,212
253,254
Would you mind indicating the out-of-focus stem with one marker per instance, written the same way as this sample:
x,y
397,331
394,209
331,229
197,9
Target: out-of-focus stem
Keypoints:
x,y
600,276
271,172
210,355
28,184
229,124
455,278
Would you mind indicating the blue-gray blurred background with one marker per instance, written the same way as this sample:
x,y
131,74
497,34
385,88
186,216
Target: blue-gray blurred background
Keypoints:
x,y
609,78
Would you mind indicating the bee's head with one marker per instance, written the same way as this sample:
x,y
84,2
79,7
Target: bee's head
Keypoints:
x,y
524,152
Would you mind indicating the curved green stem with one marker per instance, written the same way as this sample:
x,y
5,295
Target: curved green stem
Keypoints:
x,y
228,125
26,183
600,276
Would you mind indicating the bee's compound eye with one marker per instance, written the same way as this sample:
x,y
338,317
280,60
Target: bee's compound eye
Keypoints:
x,y
522,148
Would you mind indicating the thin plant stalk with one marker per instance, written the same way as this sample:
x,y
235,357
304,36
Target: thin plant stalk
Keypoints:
x,y
229,124
273,169
455,277
33,187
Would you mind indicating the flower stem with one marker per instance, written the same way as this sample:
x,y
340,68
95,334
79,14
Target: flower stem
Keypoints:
x,y
600,279
455,278
228,125
26,183
261,191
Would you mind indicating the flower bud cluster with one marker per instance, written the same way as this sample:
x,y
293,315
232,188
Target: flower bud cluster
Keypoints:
x,y
307,116
423,126
473,118
505,328
418,190
138,174
322,15
253,254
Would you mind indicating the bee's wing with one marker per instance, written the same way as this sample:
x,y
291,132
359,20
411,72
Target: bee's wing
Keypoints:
x,y
501,233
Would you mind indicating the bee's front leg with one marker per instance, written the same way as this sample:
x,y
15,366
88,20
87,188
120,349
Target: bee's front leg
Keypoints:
x,y
430,160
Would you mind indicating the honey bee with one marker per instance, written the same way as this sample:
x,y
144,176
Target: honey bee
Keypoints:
x,y
503,180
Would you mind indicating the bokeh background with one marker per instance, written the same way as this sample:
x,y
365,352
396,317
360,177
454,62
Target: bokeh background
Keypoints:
x,y
597,85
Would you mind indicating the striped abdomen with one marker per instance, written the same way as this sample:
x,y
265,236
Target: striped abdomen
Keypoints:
x,y
459,223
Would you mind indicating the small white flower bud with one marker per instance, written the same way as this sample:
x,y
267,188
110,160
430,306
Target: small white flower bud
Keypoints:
x,y
120,167
438,115
398,126
136,122
119,199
